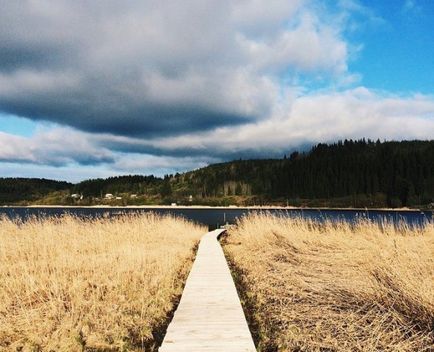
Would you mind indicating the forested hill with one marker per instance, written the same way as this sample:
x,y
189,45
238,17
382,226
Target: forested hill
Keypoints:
x,y
15,190
134,184
349,173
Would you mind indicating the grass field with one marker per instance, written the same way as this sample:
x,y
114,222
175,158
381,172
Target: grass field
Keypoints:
x,y
108,284
333,287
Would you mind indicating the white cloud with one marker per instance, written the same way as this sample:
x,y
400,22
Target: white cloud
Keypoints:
x,y
71,173
53,146
310,46
67,149
354,113
146,163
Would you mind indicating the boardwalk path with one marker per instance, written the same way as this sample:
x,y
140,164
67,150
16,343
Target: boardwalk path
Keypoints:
x,y
209,316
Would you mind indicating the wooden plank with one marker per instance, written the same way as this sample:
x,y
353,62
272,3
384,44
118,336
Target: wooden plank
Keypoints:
x,y
209,316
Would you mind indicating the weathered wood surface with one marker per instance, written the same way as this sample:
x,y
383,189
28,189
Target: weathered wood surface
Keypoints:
x,y
209,316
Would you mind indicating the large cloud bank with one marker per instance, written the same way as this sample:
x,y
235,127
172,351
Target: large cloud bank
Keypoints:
x,y
156,67
203,79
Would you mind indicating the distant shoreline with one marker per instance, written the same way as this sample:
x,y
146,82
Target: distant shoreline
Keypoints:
x,y
257,207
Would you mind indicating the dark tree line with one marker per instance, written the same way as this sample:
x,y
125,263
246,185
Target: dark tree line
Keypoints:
x,y
116,185
402,171
374,173
27,189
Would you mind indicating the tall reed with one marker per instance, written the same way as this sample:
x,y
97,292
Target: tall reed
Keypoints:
x,y
333,286
70,284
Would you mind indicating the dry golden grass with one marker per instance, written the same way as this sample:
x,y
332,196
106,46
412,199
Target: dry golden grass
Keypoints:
x,y
312,287
105,284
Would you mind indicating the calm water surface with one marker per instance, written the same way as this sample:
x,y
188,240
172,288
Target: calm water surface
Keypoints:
x,y
214,217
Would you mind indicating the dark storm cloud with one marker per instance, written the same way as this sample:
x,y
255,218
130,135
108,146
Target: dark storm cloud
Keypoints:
x,y
12,58
146,120
95,107
142,69
156,67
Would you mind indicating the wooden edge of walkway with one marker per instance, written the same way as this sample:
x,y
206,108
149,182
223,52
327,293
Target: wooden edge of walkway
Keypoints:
x,y
209,316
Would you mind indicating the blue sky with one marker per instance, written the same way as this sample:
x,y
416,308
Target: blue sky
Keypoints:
x,y
17,125
398,52
93,90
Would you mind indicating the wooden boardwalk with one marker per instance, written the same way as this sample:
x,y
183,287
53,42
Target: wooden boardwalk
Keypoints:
x,y
209,316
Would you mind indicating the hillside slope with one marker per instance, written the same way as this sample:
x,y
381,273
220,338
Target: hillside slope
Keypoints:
x,y
357,173
15,189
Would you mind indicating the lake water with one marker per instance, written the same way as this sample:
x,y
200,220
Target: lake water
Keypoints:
x,y
214,217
